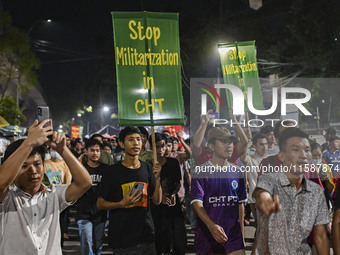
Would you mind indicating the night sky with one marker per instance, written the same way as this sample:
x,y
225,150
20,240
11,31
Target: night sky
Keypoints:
x,y
75,46
77,54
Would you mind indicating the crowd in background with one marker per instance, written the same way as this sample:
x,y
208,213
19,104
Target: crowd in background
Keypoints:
x,y
215,205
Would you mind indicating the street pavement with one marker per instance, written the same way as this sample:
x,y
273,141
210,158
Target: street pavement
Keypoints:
x,y
72,245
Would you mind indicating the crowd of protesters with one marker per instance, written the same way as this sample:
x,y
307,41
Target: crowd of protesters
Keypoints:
x,y
280,176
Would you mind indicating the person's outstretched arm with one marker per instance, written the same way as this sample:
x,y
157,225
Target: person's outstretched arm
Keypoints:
x,y
266,203
199,135
37,135
81,179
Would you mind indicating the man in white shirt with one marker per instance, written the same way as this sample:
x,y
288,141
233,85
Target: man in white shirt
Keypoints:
x,y
29,211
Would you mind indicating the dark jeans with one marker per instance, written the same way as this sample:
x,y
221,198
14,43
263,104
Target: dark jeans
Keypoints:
x,y
247,212
139,249
170,232
63,224
171,236
191,214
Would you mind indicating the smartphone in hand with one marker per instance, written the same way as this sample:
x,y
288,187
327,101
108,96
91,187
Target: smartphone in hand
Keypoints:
x,y
138,186
43,113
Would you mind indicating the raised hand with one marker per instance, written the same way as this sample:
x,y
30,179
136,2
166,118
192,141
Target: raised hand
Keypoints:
x,y
206,118
37,133
179,135
58,142
157,170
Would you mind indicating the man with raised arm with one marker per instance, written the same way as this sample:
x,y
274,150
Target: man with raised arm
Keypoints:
x,y
29,211
202,155
289,205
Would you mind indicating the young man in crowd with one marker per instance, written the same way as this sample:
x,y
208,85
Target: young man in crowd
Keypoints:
x,y
68,141
273,148
251,165
181,157
91,220
328,133
105,157
289,205
168,216
77,148
218,197
167,133
202,155
29,211
145,154
332,155
126,190
57,171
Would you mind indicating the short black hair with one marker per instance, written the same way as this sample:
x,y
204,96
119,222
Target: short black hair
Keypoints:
x,y
158,137
41,150
166,131
314,146
267,129
289,133
333,138
331,131
257,137
107,144
128,131
92,142
96,135
143,131
278,125
173,138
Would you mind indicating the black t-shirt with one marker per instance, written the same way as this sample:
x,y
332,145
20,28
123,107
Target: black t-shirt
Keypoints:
x,y
170,182
87,204
170,176
134,225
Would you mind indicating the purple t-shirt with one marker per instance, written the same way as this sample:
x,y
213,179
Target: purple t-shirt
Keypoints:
x,y
220,194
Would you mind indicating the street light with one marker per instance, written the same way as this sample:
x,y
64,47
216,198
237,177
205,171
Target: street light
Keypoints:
x,y
41,21
105,110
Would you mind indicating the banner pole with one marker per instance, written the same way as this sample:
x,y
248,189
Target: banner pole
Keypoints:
x,y
153,144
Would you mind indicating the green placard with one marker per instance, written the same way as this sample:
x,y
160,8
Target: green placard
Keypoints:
x,y
147,56
239,67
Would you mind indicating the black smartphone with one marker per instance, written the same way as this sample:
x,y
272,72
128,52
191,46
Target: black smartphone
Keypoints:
x,y
138,186
43,113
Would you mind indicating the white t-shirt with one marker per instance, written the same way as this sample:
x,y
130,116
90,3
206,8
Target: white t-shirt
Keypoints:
x,y
30,224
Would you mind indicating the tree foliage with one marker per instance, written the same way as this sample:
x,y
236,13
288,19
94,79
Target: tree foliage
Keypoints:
x,y
10,111
17,62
